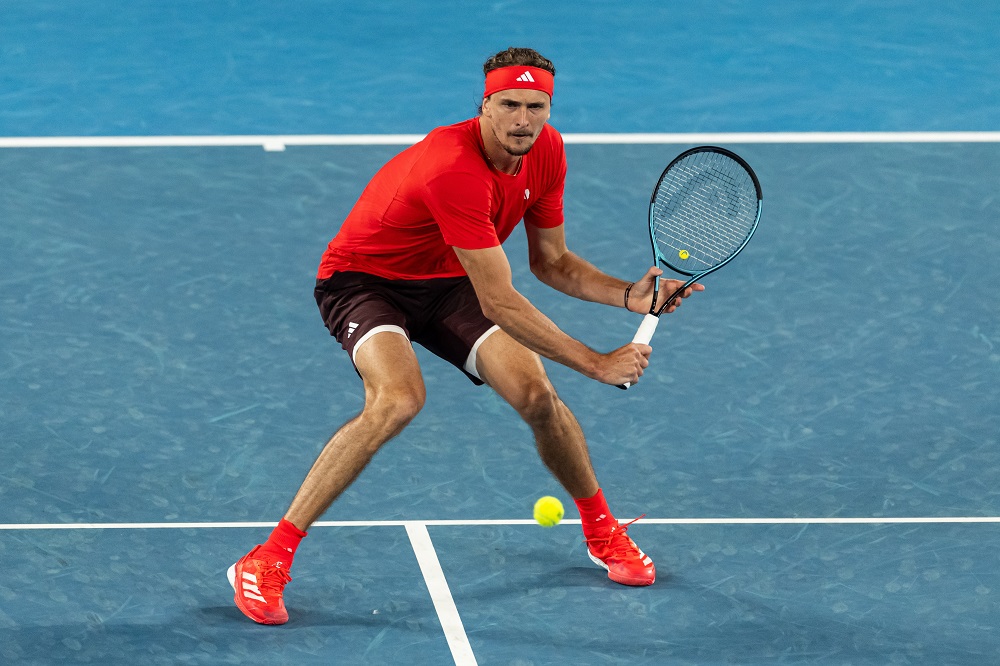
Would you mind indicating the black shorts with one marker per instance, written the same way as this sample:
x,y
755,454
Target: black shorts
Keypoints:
x,y
443,315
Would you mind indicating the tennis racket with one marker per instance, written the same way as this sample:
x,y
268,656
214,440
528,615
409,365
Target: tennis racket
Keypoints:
x,y
703,211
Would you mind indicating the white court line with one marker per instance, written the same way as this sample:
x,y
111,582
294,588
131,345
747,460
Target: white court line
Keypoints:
x,y
444,604
278,142
884,520
787,137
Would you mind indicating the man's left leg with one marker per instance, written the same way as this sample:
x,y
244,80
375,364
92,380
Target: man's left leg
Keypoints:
x,y
517,375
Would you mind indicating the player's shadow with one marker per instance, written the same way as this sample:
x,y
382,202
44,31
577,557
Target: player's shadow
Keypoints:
x,y
300,615
222,634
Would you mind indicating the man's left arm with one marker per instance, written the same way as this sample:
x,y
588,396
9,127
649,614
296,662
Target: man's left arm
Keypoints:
x,y
553,263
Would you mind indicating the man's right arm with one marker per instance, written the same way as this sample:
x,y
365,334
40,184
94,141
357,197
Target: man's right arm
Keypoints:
x,y
490,273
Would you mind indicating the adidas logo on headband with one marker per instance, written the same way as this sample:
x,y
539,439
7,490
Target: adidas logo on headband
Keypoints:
x,y
518,76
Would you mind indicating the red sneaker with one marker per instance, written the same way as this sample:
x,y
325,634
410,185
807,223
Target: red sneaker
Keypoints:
x,y
617,553
258,582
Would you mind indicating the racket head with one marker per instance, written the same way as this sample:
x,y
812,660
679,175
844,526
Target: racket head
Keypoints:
x,y
703,211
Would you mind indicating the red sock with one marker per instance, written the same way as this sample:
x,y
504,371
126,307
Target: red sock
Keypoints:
x,y
283,541
594,513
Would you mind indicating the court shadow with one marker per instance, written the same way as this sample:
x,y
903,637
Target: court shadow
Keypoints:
x,y
223,635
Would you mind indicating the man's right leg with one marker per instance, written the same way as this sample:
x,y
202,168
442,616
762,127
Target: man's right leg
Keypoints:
x,y
394,394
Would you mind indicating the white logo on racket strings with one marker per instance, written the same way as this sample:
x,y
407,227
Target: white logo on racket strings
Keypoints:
x,y
526,77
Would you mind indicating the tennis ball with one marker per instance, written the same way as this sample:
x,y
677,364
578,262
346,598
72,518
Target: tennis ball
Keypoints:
x,y
683,254
548,511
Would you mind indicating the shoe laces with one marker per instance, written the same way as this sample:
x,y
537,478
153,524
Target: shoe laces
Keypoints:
x,y
272,577
617,541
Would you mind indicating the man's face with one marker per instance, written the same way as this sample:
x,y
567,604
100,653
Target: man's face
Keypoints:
x,y
517,117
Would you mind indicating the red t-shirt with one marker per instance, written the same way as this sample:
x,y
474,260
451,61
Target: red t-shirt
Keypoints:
x,y
441,193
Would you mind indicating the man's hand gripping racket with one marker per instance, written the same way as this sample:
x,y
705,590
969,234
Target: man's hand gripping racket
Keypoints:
x,y
702,213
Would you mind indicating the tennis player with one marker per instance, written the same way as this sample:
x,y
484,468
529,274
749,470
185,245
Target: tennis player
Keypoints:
x,y
419,260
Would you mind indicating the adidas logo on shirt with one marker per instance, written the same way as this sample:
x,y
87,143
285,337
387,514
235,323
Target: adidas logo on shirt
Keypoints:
x,y
526,78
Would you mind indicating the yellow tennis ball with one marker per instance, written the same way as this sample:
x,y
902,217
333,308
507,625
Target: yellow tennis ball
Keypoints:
x,y
683,254
548,511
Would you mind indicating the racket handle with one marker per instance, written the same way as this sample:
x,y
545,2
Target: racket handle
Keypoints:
x,y
643,336
646,328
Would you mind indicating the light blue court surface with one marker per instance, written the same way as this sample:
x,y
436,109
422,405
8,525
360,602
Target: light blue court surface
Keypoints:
x,y
313,67
165,380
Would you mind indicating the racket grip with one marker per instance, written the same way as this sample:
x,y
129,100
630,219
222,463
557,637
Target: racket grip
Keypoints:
x,y
643,336
646,329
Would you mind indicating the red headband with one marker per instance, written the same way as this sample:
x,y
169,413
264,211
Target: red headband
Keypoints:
x,y
518,76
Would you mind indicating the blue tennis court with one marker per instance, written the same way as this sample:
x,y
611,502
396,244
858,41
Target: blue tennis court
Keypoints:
x,y
814,447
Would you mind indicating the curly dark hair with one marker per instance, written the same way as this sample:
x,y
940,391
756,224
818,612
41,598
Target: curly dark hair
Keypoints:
x,y
518,56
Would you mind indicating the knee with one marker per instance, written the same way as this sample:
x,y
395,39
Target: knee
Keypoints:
x,y
394,409
537,402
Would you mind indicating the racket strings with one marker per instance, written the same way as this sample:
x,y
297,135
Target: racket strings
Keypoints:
x,y
701,219
703,210
697,232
